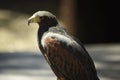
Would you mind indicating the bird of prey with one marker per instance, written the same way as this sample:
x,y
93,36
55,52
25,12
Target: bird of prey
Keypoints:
x,y
65,54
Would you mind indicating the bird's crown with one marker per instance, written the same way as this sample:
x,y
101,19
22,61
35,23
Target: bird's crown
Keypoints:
x,y
44,13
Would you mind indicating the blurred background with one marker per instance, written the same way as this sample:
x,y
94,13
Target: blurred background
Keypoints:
x,y
90,21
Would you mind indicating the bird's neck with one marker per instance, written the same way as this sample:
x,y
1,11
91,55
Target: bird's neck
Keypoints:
x,y
41,31
45,25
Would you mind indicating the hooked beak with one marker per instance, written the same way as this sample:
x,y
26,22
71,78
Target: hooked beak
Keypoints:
x,y
33,19
29,21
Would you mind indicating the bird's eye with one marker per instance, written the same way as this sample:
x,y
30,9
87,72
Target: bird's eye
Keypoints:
x,y
40,17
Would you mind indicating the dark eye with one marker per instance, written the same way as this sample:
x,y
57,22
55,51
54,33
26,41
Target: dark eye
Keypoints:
x,y
41,17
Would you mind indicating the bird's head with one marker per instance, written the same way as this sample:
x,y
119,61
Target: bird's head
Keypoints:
x,y
43,18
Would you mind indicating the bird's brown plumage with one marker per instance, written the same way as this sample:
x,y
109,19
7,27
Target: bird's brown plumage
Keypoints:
x,y
65,64
63,61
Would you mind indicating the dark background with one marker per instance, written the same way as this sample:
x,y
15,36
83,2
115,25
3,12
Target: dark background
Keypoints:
x,y
94,18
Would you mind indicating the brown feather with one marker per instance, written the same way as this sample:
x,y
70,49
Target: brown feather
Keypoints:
x,y
64,63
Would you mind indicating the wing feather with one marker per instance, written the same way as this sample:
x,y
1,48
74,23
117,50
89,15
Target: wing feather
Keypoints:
x,y
68,60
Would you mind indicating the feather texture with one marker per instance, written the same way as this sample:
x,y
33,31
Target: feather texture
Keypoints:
x,y
67,58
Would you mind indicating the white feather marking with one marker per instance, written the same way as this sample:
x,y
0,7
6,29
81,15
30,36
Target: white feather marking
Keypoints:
x,y
60,37
44,13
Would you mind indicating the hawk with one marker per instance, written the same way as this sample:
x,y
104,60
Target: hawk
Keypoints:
x,y
65,54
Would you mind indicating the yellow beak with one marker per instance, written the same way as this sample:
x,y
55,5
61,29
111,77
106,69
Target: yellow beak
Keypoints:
x,y
33,19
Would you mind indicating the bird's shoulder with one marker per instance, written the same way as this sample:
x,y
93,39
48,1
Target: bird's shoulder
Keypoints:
x,y
58,30
59,34
66,40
